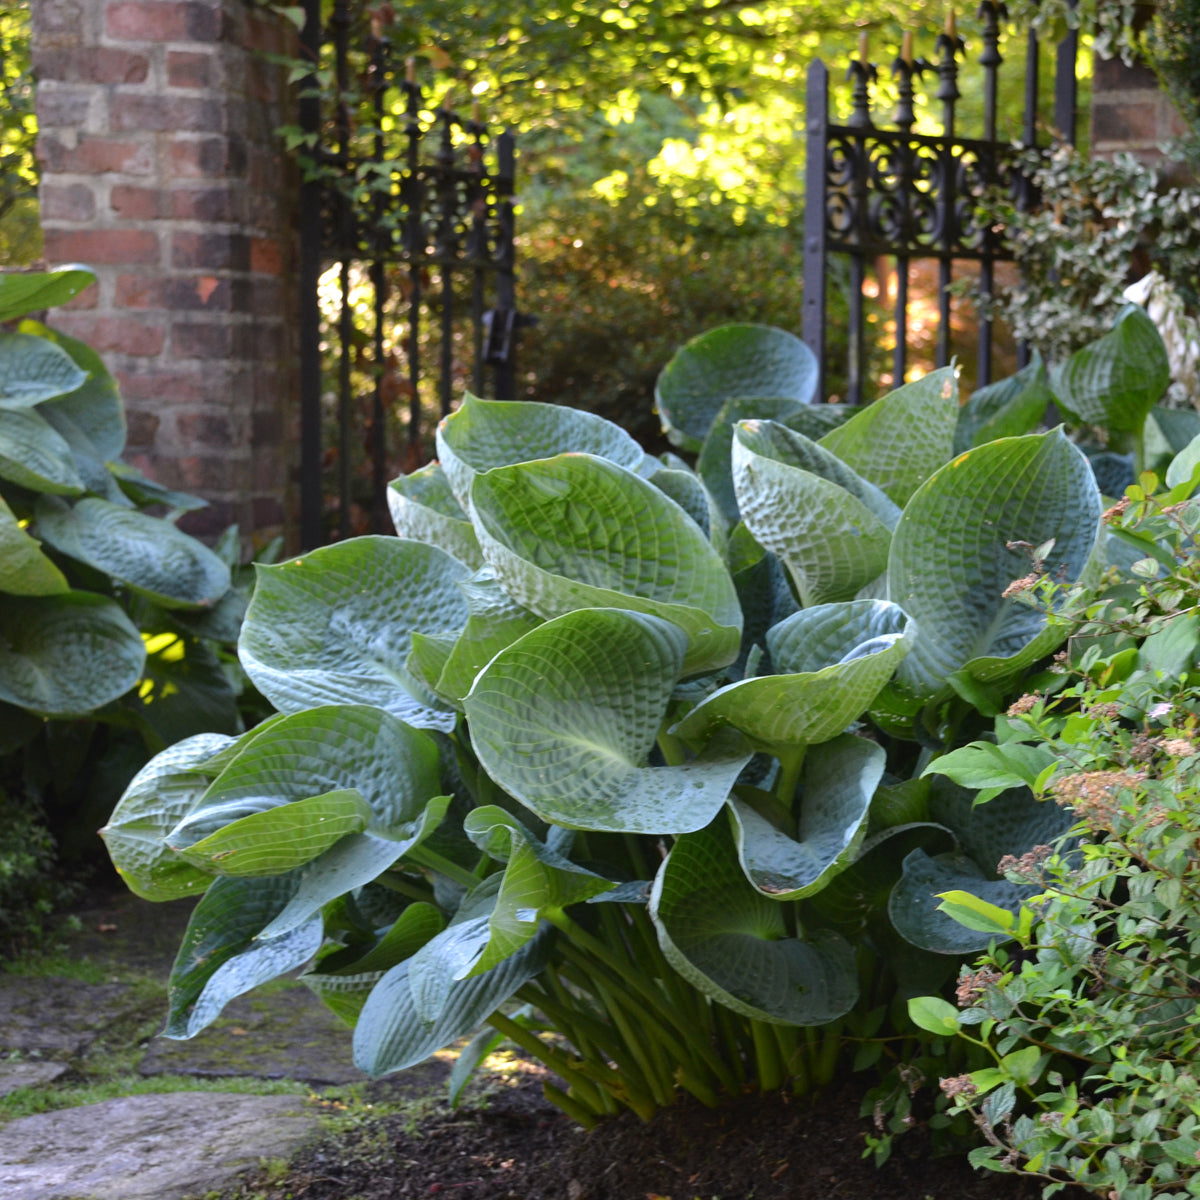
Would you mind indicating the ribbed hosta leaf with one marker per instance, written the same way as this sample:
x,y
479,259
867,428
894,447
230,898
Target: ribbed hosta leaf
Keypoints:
x,y
144,490
334,626
147,554
424,509
24,292
950,562
1117,379
63,656
160,795
839,780
33,369
724,363
222,954
898,442
24,569
831,660
89,462
763,593
1013,823
392,1035
686,489
564,720
1010,407
732,943
579,532
831,528
484,434
33,456
95,408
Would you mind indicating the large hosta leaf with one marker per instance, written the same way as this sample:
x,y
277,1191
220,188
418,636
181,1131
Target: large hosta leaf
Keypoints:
x,y
1008,408
484,434
830,527
424,509
147,554
1117,379
63,656
579,532
162,793
898,442
24,569
335,626
33,369
951,563
732,943
832,661
34,456
89,461
724,363
1013,823
565,718
840,778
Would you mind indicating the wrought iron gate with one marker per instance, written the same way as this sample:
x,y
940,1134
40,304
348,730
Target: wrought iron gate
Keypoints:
x,y
873,192
416,212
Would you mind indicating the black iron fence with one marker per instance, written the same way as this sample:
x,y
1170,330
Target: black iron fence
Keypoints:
x,y
875,189
407,271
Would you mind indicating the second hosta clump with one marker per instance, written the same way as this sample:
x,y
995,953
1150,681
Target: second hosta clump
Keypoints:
x,y
581,751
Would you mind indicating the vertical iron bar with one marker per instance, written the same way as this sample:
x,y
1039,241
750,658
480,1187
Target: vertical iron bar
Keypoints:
x,y
1065,86
815,255
414,256
505,373
862,73
990,60
948,46
447,252
311,505
347,232
477,246
379,471
1030,138
903,70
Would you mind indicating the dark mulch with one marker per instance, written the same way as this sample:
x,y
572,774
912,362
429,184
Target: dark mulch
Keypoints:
x,y
518,1148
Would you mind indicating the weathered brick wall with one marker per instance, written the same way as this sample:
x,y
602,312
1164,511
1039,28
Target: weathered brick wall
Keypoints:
x,y
1130,112
162,171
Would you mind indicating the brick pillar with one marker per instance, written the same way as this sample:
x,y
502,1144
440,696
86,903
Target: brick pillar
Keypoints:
x,y
162,171
1130,112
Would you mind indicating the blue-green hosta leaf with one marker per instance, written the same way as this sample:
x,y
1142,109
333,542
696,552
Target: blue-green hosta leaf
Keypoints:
x,y
830,528
427,660
496,621
33,369
144,490
33,456
1117,379
275,840
89,462
579,532
160,795
536,878
727,362
145,553
424,509
94,409
393,767
391,1034
334,626
565,718
1013,823
898,442
223,954
831,660
763,593
63,656
24,292
732,943
950,562
24,569
484,434
839,780
686,489
1008,408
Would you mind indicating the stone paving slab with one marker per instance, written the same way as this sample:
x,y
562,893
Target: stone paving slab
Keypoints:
x,y
56,1018
147,1147
17,1075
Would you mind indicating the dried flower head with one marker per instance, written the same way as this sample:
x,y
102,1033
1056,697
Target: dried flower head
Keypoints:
x,y
1095,795
958,1085
972,986
1028,867
1112,514
1025,584
1023,704
1178,747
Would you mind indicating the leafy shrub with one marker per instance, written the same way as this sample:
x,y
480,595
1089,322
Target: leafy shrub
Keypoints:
x,y
114,624
1090,1018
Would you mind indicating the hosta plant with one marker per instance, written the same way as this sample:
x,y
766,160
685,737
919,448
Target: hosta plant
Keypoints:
x,y
579,752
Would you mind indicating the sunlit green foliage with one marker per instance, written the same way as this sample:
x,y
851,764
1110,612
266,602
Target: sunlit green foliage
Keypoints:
x,y
20,232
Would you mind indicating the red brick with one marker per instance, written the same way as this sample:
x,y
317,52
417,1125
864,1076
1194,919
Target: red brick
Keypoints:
x,y
204,429
138,291
57,16
212,251
118,335
269,35
136,203
181,293
101,245
202,341
73,202
87,299
182,383
137,112
190,69
164,21
201,157
202,204
266,256
209,523
1123,122
267,512
142,426
206,474
62,107
96,156
95,64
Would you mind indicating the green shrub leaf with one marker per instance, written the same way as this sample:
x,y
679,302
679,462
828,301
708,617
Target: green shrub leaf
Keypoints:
x,y
24,292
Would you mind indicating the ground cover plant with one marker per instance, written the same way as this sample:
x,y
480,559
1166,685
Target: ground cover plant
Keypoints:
x,y
620,757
